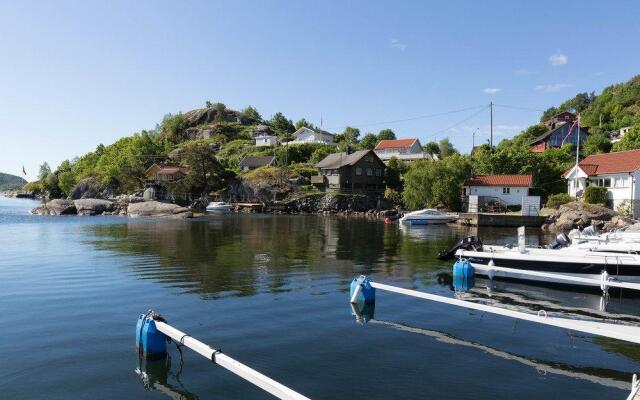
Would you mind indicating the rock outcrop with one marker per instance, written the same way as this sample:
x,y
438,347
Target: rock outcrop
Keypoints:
x,y
93,206
89,188
578,215
56,207
336,203
158,209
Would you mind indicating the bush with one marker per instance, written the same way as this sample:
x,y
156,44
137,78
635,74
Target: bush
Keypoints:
x,y
556,200
595,195
393,196
624,208
305,170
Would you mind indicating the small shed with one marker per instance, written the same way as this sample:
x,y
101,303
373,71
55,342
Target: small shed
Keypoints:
x,y
250,162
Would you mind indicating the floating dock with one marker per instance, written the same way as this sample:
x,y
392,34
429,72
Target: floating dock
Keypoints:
x,y
500,220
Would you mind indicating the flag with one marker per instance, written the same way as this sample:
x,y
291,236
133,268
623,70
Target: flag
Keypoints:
x,y
23,171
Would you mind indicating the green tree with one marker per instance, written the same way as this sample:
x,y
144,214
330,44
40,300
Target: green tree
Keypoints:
x,y
205,172
303,122
630,141
66,181
393,173
369,141
446,148
252,113
431,148
282,126
386,134
351,135
221,109
50,184
171,130
436,183
596,143
45,170
319,154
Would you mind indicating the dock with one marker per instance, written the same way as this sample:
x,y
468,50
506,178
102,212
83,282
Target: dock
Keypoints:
x,y
500,220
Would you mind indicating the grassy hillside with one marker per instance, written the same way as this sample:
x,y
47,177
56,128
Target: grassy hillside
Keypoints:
x,y
11,182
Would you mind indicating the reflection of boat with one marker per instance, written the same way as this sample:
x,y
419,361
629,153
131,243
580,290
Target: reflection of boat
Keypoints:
x,y
155,375
428,216
217,206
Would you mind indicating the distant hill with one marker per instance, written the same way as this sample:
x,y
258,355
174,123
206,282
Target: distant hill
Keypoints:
x,y
11,182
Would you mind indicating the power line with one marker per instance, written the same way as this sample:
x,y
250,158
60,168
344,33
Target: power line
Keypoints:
x,y
459,122
409,119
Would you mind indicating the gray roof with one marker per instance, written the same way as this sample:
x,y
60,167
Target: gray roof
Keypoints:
x,y
255,162
337,160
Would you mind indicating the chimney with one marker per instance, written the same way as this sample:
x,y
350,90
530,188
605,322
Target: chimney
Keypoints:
x,y
347,150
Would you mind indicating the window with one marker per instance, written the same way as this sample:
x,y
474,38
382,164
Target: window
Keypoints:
x,y
506,190
369,172
358,171
378,172
603,182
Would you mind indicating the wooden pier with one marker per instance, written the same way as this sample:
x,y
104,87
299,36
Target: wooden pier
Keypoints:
x,y
500,220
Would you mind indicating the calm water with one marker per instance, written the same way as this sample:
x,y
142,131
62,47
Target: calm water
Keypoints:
x,y
272,291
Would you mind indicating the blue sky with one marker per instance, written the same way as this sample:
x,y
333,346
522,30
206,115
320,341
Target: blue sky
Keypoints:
x,y
75,74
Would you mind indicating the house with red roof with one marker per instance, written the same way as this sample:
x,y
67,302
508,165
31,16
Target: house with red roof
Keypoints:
x,y
562,129
508,188
404,149
618,172
160,172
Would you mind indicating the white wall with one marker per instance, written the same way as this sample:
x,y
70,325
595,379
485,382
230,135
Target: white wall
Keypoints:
x,y
514,198
270,141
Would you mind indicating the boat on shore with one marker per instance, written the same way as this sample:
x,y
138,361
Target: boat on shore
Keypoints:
x,y
219,206
428,216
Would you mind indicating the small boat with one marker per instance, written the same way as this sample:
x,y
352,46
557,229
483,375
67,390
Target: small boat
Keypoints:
x,y
217,206
428,216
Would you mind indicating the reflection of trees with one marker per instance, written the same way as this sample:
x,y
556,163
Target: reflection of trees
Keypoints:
x,y
240,255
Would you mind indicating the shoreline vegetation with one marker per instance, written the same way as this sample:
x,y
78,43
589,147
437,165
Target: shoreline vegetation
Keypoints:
x,y
210,143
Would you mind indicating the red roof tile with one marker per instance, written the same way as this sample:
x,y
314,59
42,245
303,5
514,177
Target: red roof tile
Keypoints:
x,y
395,144
500,180
610,163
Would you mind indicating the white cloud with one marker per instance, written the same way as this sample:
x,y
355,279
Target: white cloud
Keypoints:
x,y
491,90
396,44
558,58
551,87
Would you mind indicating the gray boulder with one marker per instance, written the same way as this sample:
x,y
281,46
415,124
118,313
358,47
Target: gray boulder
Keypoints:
x,y
158,209
577,215
88,188
93,206
56,207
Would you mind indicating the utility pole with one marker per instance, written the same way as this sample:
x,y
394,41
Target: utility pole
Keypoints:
x,y
491,131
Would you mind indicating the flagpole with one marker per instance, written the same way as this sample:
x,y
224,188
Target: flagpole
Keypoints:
x,y
578,143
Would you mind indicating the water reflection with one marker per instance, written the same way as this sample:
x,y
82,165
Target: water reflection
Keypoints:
x,y
156,375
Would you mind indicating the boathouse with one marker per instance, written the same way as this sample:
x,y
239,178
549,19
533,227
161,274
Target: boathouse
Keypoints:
x,y
509,189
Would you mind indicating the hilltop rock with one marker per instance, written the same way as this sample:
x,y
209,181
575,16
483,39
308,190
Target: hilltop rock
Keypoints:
x,y
56,207
93,206
158,209
89,188
578,215
209,115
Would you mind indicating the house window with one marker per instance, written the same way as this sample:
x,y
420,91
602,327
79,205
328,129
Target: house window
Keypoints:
x,y
369,172
358,171
378,172
506,190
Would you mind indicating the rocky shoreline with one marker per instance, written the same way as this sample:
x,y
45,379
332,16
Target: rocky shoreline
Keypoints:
x,y
577,215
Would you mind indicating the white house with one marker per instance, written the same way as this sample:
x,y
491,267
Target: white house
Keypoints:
x,y
315,135
617,136
266,141
403,149
618,172
508,188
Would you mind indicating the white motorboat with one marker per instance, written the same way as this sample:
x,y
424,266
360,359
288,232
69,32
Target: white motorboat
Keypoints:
x,y
218,206
428,216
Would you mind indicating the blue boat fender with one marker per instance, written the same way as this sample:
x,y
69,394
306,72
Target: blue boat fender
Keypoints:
x,y
368,292
150,342
463,268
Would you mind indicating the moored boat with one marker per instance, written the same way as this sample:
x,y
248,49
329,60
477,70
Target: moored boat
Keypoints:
x,y
218,206
428,216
